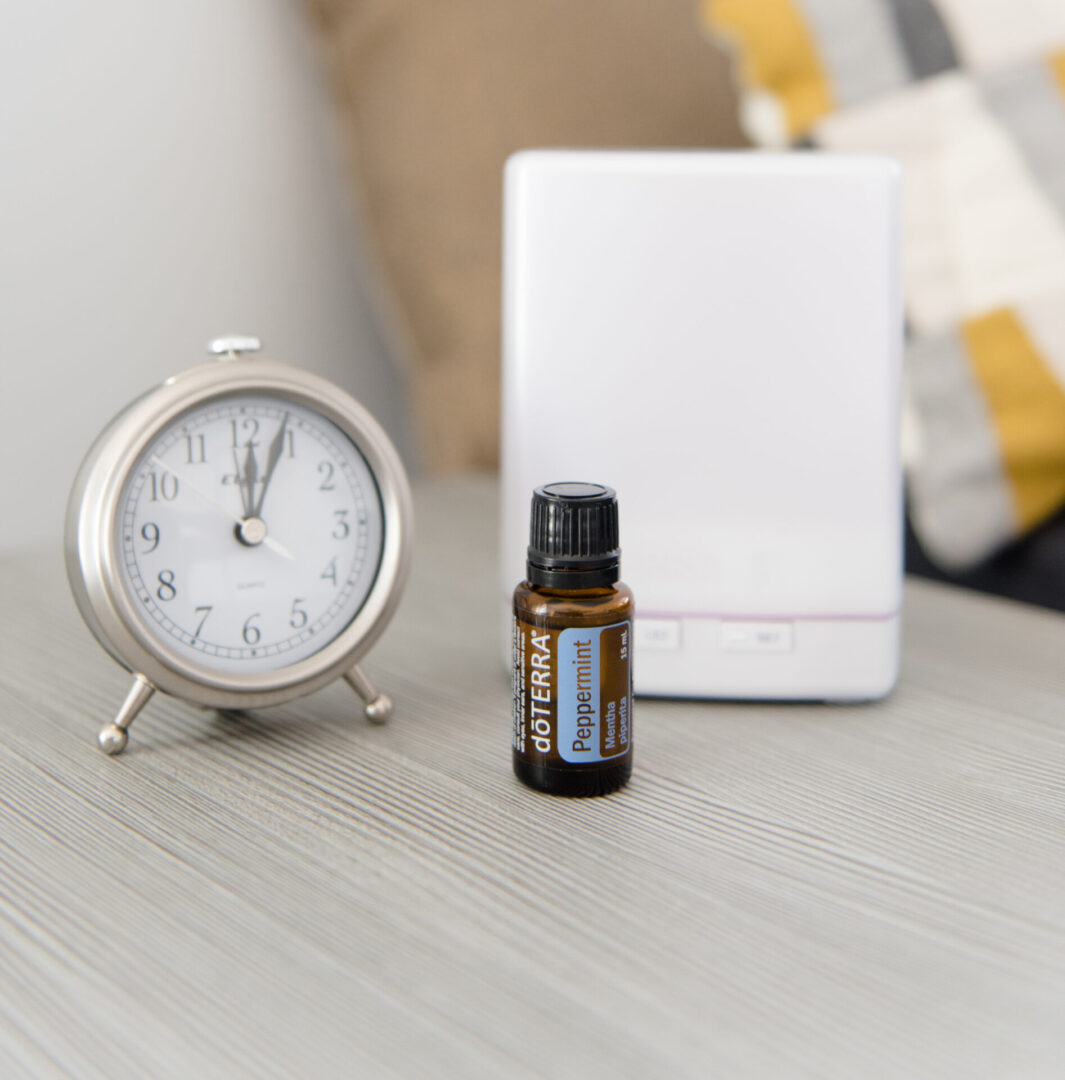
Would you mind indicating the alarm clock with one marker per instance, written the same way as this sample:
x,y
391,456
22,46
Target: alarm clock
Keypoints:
x,y
239,537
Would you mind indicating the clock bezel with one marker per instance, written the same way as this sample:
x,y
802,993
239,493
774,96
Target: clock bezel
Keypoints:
x,y
93,541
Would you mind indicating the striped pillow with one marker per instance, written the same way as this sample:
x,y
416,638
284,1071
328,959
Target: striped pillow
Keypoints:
x,y
970,96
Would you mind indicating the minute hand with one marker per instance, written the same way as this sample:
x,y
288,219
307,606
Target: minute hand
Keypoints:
x,y
273,454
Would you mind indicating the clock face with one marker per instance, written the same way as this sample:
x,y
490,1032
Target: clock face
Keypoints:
x,y
250,534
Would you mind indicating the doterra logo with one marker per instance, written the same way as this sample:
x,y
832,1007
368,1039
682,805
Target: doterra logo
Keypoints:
x,y
540,692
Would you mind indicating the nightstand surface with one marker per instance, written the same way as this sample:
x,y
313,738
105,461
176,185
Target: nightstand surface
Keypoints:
x,y
783,890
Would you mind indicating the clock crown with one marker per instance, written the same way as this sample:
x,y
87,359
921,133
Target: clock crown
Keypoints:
x,y
233,346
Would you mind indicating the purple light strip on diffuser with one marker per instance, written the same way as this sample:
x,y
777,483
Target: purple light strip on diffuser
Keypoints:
x,y
750,617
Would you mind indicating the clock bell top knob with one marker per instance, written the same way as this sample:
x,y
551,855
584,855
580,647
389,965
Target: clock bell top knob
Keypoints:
x,y
233,346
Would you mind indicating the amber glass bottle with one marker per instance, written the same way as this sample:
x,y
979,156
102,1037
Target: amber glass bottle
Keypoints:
x,y
573,647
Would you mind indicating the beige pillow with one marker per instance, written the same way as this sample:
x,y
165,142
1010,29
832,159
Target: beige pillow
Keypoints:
x,y
436,94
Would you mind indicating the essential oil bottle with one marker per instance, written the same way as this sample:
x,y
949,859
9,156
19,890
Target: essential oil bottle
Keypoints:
x,y
573,646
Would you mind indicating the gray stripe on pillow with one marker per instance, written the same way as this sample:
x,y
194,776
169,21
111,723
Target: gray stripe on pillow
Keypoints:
x,y
960,501
924,36
1026,100
858,45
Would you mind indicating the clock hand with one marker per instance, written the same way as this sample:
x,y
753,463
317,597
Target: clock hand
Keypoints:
x,y
273,454
269,541
251,476
245,502
279,548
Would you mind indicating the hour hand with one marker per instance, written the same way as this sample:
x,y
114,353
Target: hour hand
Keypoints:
x,y
242,487
251,478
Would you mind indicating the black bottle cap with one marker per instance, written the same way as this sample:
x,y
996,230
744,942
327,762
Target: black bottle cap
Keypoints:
x,y
573,536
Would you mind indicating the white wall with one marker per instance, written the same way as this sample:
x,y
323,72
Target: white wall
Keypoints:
x,y
168,172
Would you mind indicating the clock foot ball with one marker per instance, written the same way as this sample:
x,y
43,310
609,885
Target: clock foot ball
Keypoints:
x,y
378,705
239,537
114,736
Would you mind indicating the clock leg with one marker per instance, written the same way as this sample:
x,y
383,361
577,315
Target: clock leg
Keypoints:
x,y
114,736
378,706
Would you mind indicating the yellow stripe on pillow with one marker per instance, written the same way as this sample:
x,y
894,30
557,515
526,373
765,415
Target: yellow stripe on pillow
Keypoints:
x,y
1057,68
1027,409
778,55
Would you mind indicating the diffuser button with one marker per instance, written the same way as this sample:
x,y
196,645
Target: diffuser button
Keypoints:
x,y
659,634
776,636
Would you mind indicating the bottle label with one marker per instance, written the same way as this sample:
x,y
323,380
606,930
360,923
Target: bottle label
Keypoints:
x,y
572,692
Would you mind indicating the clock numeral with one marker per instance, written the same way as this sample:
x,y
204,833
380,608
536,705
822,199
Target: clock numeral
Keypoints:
x,y
167,486
251,633
330,572
250,426
150,532
326,470
342,529
195,450
298,619
206,609
167,590
290,442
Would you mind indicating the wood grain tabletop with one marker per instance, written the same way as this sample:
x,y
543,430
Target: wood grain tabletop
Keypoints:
x,y
783,890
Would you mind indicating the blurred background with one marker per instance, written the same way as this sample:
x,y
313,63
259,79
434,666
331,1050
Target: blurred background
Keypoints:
x,y
326,174
172,171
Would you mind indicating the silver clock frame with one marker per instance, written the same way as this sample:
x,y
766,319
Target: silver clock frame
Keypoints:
x,y
93,544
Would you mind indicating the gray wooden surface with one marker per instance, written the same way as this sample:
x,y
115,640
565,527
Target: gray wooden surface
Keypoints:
x,y
869,891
